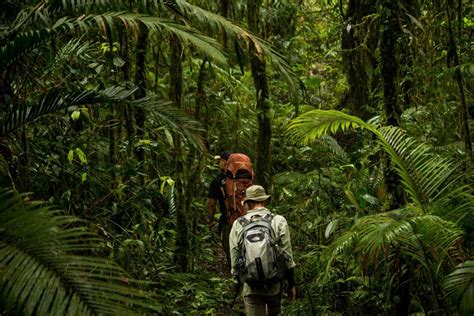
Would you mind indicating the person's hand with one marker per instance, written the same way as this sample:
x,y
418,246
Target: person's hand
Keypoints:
x,y
291,292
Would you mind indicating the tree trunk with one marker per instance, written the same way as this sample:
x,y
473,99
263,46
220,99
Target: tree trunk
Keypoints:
x,y
389,60
200,93
181,257
127,111
401,289
258,65
454,61
140,81
389,68
224,12
358,46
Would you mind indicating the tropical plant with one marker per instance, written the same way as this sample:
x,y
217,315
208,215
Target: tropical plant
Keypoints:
x,y
48,265
460,287
409,238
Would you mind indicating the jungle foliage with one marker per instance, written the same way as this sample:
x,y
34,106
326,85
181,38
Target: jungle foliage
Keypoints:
x,y
356,114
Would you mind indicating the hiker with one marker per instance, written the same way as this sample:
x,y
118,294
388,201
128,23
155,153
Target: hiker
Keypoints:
x,y
262,283
239,176
217,196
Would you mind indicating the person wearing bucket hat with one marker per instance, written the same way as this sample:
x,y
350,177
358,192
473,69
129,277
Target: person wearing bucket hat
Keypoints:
x,y
262,299
256,193
216,196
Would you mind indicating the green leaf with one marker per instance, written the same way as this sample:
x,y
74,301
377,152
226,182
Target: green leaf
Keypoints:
x,y
331,228
70,155
82,156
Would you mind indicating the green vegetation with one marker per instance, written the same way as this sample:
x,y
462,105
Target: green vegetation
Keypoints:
x,y
357,115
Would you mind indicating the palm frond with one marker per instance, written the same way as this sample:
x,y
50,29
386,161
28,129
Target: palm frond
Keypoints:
x,y
218,22
429,241
53,101
206,45
460,286
333,146
380,233
316,123
45,271
176,119
425,175
24,43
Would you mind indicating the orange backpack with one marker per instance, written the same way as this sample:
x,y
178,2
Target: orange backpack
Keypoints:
x,y
239,176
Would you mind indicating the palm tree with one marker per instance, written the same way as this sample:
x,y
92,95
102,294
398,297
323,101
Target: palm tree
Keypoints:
x,y
414,244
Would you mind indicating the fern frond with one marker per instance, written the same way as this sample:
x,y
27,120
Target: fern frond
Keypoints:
x,y
45,273
178,120
316,123
206,45
53,101
24,43
332,145
218,22
425,176
460,286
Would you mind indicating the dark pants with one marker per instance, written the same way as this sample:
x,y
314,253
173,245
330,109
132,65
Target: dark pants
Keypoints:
x,y
225,231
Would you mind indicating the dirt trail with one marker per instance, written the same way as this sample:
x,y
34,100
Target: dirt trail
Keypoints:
x,y
220,268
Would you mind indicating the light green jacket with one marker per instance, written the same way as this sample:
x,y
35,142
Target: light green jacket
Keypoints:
x,y
282,233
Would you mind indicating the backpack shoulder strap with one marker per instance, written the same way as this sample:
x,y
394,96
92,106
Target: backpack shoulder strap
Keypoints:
x,y
243,221
268,217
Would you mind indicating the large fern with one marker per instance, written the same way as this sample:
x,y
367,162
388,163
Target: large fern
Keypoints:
x,y
47,267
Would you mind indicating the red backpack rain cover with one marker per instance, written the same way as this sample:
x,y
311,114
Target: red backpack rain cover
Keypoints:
x,y
239,175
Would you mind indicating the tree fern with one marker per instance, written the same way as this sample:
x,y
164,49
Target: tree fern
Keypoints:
x,y
47,267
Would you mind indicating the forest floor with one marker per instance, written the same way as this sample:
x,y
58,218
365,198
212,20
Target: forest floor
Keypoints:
x,y
220,268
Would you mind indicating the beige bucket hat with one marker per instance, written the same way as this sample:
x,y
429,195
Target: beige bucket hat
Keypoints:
x,y
256,193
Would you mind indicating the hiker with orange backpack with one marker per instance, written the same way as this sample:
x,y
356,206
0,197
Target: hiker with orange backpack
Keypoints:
x,y
261,255
228,189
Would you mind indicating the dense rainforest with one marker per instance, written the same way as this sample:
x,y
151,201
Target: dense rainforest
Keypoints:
x,y
357,116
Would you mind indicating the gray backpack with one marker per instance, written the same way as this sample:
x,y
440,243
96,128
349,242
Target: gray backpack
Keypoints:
x,y
261,262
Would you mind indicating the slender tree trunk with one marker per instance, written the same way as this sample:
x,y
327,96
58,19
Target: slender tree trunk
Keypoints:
x,y
407,56
401,290
390,68
112,136
224,12
181,257
258,64
389,60
358,46
127,111
5,95
140,81
201,94
454,61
